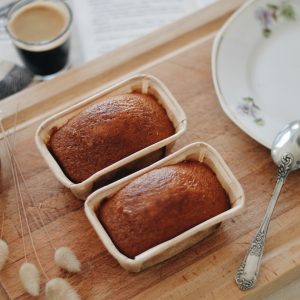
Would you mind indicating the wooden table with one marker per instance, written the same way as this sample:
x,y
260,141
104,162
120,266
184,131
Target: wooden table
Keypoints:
x,y
181,59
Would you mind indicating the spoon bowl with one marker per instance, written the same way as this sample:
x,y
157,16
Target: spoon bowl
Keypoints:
x,y
287,141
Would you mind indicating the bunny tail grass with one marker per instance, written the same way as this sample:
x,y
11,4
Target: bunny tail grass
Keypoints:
x,y
30,278
4,251
66,259
60,289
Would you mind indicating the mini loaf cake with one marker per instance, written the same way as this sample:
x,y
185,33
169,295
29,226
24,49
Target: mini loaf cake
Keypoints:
x,y
108,131
162,204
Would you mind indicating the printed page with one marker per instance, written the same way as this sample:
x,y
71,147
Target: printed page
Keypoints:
x,y
7,51
105,25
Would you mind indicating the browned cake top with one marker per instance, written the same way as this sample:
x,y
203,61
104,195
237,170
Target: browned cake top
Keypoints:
x,y
108,131
162,204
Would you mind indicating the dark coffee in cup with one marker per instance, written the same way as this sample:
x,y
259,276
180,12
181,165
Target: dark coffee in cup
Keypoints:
x,y
46,62
40,32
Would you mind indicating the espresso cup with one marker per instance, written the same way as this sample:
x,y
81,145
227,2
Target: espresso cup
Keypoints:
x,y
40,31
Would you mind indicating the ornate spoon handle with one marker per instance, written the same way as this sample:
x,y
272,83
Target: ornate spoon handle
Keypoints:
x,y
248,271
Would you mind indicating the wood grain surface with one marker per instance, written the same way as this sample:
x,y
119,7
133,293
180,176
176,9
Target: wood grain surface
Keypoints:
x,y
205,271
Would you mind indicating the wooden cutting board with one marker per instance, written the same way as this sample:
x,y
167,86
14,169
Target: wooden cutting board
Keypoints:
x,y
205,271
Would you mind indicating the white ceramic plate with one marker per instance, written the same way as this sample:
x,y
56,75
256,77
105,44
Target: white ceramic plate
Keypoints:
x,y
256,67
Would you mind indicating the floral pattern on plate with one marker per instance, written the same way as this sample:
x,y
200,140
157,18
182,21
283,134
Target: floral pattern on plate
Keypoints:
x,y
272,13
250,108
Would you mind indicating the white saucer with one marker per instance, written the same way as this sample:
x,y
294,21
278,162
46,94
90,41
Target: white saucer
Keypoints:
x,y
256,67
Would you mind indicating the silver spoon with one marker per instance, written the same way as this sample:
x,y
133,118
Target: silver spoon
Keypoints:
x,y
286,154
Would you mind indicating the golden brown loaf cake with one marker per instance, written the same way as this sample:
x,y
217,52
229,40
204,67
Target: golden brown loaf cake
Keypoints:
x,y
108,131
162,204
